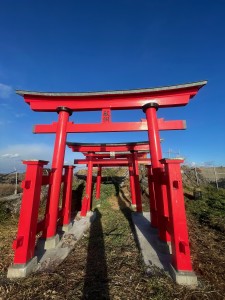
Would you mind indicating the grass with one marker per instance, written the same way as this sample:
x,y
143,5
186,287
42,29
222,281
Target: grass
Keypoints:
x,y
207,226
4,214
8,229
106,263
7,189
210,210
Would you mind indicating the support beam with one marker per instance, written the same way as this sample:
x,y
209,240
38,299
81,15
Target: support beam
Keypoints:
x,y
111,126
111,162
103,147
115,155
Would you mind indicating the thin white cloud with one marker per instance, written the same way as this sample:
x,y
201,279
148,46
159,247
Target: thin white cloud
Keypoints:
x,y
5,91
28,151
11,156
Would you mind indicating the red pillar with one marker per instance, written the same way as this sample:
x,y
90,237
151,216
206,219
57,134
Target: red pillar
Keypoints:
x,y
89,182
156,154
86,202
25,242
181,259
132,184
137,182
152,200
67,196
57,168
98,182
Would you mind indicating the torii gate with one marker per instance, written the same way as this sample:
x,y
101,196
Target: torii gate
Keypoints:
x,y
133,148
131,160
149,100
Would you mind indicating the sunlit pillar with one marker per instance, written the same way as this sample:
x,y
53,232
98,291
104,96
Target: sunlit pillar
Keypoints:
x,y
158,169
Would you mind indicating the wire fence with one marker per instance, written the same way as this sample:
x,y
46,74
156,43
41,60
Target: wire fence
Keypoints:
x,y
213,174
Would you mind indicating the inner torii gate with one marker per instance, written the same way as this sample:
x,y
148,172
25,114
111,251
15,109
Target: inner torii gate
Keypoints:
x,y
133,148
165,174
130,165
131,160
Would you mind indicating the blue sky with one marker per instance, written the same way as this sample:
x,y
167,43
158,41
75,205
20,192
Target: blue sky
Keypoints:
x,y
106,45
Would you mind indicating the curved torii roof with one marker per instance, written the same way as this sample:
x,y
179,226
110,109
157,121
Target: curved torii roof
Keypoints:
x,y
109,147
167,96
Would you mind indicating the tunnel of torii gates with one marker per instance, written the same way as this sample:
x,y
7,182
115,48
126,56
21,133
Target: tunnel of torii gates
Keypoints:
x,y
164,175
112,159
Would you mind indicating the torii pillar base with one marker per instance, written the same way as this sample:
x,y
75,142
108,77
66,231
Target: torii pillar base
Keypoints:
x,y
22,270
48,243
134,207
67,227
183,278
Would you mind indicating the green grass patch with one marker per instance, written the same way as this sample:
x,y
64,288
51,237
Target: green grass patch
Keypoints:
x,y
4,213
210,210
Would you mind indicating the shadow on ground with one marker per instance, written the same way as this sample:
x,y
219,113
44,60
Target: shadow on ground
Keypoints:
x,y
96,280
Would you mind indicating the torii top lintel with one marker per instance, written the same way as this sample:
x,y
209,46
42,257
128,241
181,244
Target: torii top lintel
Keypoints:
x,y
107,147
168,96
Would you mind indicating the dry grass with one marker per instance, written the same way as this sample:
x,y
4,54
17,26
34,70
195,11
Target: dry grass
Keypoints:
x,y
106,264
8,230
208,254
6,189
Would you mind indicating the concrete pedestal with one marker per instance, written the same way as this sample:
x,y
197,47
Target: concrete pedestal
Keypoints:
x,y
67,228
48,243
183,278
134,207
22,270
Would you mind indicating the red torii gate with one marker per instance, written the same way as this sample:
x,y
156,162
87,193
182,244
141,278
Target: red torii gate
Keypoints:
x,y
147,99
130,160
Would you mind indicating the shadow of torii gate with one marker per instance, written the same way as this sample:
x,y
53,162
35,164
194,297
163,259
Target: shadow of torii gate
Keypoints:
x,y
165,176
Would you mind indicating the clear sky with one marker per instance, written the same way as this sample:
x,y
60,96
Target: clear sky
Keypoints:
x,y
106,45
